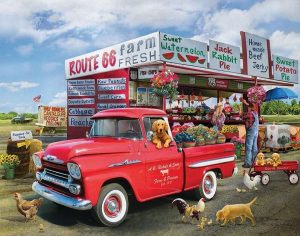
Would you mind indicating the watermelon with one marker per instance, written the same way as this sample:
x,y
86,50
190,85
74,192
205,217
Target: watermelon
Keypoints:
x,y
180,57
192,58
168,55
201,61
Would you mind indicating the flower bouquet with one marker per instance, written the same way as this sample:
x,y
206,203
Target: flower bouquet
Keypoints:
x,y
165,83
256,95
9,162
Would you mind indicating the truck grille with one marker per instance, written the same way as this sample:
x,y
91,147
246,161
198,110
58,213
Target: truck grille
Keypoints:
x,y
57,174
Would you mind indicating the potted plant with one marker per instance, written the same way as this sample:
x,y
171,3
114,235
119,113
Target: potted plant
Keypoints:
x,y
239,143
165,83
9,162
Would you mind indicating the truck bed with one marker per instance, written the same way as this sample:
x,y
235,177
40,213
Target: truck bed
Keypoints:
x,y
200,159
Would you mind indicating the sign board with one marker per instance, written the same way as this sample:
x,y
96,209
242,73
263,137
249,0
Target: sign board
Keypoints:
x,y
52,116
80,121
285,69
134,52
183,51
217,83
256,55
224,57
147,72
20,135
112,93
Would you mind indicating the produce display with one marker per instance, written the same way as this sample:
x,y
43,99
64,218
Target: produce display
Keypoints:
x,y
183,137
201,134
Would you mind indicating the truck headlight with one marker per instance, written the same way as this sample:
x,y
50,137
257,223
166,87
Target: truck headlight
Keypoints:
x,y
74,170
37,161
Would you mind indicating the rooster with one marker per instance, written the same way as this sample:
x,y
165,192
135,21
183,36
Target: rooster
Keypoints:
x,y
27,208
251,184
189,211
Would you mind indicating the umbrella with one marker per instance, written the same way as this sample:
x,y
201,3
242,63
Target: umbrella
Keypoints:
x,y
280,93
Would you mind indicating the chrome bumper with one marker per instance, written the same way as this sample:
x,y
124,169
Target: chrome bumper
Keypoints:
x,y
78,204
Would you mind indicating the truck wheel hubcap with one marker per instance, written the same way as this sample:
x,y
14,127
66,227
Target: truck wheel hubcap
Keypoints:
x,y
112,206
208,184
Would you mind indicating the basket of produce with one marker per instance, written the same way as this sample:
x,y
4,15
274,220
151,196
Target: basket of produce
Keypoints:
x,y
230,131
185,139
221,138
189,144
200,141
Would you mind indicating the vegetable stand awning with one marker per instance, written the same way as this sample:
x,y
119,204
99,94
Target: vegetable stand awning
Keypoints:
x,y
185,56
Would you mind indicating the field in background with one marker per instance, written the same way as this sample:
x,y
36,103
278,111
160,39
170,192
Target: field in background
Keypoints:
x,y
6,127
283,118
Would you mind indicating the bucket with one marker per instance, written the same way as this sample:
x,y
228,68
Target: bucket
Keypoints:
x,y
9,173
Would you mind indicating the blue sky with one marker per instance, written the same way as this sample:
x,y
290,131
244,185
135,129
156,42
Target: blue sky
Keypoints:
x,y
37,36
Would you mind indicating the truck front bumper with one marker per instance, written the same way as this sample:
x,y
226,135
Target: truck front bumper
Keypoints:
x,y
78,204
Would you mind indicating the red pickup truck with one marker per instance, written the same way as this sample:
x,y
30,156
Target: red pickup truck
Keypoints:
x,y
118,157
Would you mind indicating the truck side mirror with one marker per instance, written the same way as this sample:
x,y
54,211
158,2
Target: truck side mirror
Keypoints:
x,y
149,135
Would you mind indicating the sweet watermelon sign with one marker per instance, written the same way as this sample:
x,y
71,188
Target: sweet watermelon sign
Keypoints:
x,y
183,51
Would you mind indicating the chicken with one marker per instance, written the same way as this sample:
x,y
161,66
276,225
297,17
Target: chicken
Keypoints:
x,y
27,208
189,211
251,184
41,228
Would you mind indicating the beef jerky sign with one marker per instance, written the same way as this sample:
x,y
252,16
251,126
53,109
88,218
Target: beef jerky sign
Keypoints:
x,y
256,55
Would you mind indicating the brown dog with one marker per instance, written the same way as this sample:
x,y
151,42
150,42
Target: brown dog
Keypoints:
x,y
260,159
230,212
160,136
276,159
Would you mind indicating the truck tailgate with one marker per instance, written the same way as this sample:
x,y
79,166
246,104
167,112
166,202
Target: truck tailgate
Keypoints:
x,y
199,160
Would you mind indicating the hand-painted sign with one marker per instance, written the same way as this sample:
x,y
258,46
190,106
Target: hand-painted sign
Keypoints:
x,y
224,57
285,69
256,55
52,116
82,101
147,72
112,93
182,51
81,82
20,135
81,111
81,93
80,121
134,52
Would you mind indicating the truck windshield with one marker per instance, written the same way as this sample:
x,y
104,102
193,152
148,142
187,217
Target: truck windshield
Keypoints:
x,y
116,127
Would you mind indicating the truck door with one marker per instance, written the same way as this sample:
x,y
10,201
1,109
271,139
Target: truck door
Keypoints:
x,y
164,167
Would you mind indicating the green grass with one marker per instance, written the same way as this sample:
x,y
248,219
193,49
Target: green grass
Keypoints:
x,y
283,118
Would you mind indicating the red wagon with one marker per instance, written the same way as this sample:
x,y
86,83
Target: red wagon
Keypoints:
x,y
288,167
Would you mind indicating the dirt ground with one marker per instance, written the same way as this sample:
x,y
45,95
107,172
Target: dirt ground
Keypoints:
x,y
276,211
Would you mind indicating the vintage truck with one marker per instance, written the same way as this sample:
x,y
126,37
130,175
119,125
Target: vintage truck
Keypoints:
x,y
117,158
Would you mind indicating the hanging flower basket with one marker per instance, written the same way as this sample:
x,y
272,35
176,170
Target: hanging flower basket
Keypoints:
x,y
256,95
165,83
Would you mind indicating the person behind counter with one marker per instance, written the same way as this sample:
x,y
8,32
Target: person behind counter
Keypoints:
x,y
252,123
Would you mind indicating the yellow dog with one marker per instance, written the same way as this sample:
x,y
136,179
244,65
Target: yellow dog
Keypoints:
x,y
230,212
160,136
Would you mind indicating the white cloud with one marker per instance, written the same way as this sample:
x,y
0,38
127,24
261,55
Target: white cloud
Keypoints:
x,y
25,50
72,44
286,44
42,19
17,86
60,99
224,25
